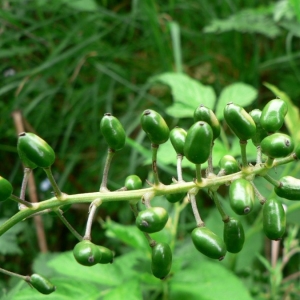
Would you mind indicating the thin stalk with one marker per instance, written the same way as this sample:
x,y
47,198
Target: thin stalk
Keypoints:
x,y
154,149
258,155
27,172
93,208
198,219
68,225
179,167
13,274
135,211
198,174
214,196
109,157
269,162
273,181
260,197
57,191
243,146
23,203
210,169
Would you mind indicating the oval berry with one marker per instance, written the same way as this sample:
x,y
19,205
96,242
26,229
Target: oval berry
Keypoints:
x,y
6,189
86,253
155,127
198,142
239,121
36,149
208,243
273,114
203,113
26,162
133,182
177,138
289,188
161,260
41,284
277,145
274,219
113,132
152,219
233,235
241,196
107,255
229,164
260,133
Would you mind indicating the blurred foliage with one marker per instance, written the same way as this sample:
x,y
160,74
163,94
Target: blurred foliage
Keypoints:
x,y
66,63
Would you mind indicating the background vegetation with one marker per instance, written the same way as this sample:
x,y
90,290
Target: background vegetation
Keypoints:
x,y
65,63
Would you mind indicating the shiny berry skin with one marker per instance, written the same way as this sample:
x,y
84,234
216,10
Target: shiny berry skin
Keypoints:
x,y
241,196
289,188
155,127
161,262
208,243
272,117
107,256
133,182
36,150
86,253
277,145
6,189
152,219
233,235
177,138
198,142
239,121
260,133
203,113
274,219
41,284
229,164
113,132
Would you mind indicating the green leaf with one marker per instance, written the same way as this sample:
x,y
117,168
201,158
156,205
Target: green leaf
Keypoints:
x,y
129,290
240,93
292,116
246,21
206,280
295,4
129,234
187,93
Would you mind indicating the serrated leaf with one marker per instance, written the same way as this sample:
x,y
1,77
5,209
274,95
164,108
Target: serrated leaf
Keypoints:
x,y
240,93
187,93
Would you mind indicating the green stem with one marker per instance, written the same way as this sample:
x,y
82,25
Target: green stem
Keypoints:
x,y
273,181
13,274
214,196
179,167
67,224
198,174
89,223
258,155
27,172
243,146
20,201
269,162
54,185
260,197
198,219
109,157
210,168
154,149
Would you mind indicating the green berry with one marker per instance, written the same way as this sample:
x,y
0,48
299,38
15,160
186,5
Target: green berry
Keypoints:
x,y
261,133
229,164
239,121
86,253
6,189
198,142
26,162
36,150
155,127
107,255
208,243
241,196
41,284
203,113
273,114
161,260
177,137
133,182
113,132
234,235
152,219
289,188
277,145
274,219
